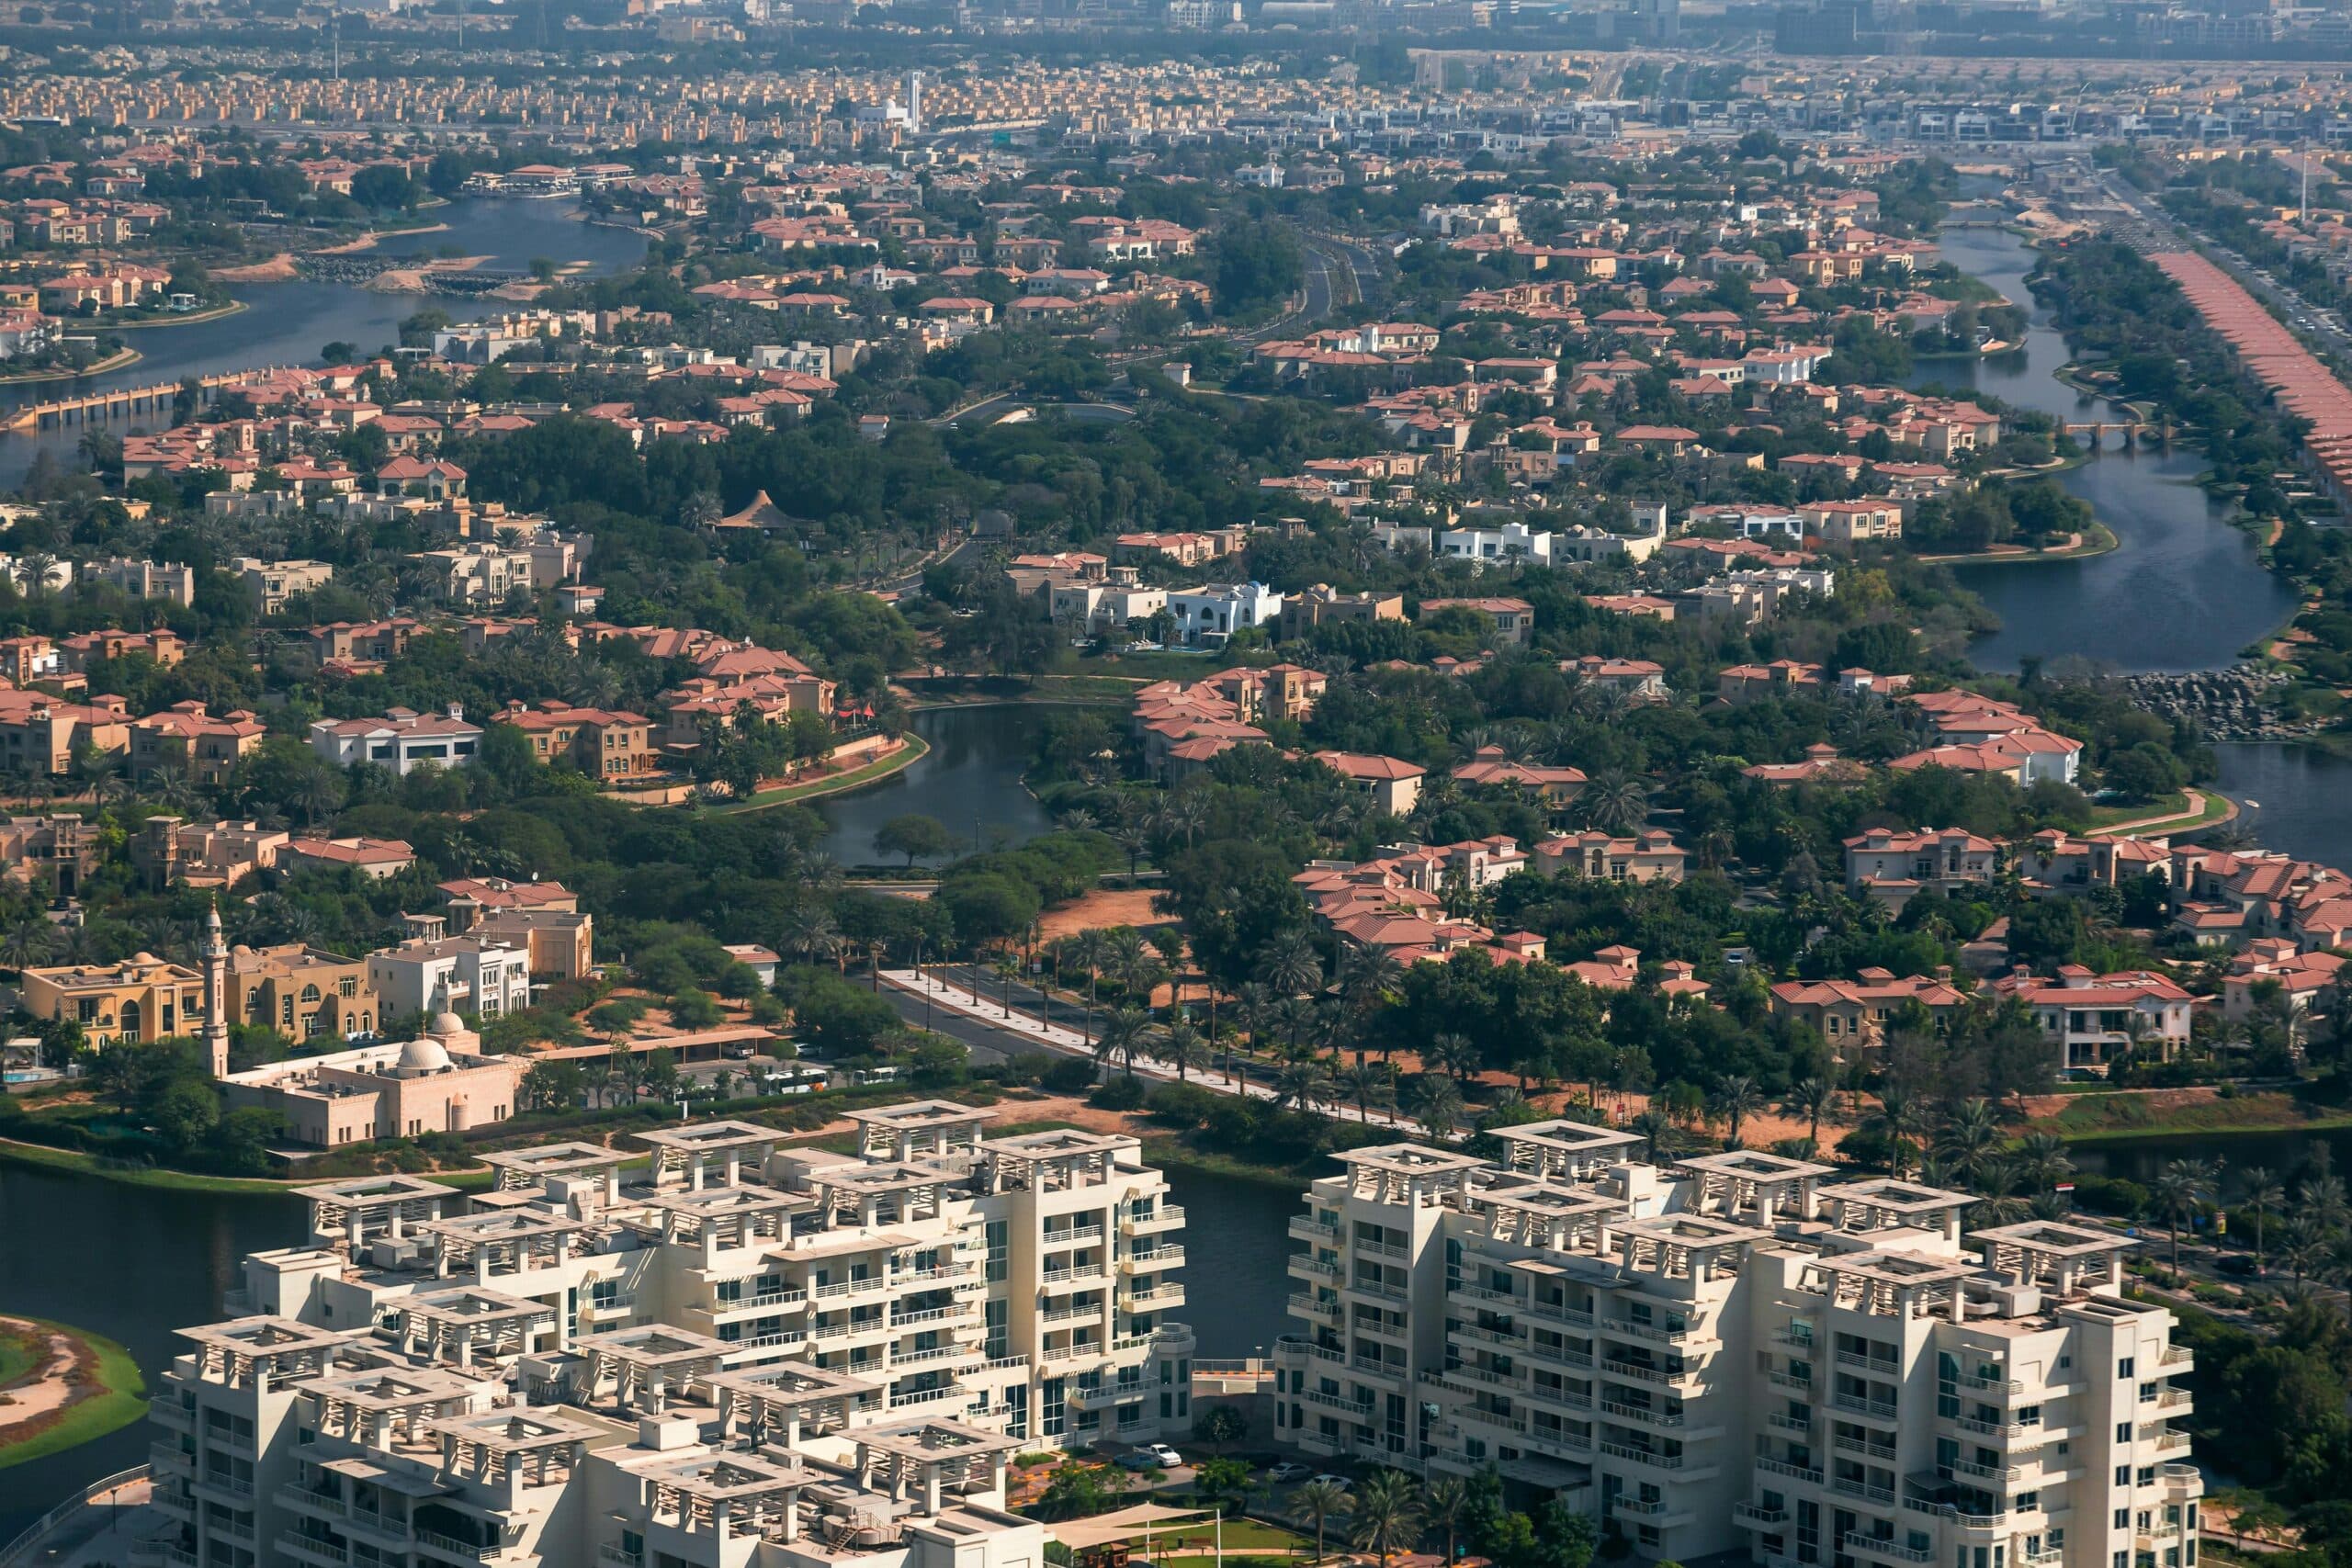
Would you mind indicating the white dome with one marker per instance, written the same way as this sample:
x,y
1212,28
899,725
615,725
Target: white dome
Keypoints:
x,y
423,1056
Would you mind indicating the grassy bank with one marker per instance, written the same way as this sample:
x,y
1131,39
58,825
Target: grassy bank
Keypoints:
x,y
2114,1117
122,1399
72,1162
210,313
896,762
121,358
2096,541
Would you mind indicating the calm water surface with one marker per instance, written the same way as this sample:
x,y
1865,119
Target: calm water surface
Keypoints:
x,y
970,780
2185,592
289,323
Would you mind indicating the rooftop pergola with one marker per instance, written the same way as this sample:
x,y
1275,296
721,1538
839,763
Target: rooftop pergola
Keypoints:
x,y
389,1407
778,1403
725,1494
925,1458
1892,1284
531,1166
511,1241
742,1215
2065,1259
888,1193
351,1214
1058,1160
1565,1150
1884,1205
1543,1213
1406,1173
1750,1182
1681,1245
263,1352
686,1156
535,1446
922,1129
461,1323
642,1370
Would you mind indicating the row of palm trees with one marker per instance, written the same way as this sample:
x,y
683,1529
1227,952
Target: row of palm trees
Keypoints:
x,y
1389,1512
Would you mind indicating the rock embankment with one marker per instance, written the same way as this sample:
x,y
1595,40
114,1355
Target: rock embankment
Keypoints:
x,y
2227,704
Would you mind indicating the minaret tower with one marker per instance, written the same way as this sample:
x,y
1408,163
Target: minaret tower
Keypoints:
x,y
215,954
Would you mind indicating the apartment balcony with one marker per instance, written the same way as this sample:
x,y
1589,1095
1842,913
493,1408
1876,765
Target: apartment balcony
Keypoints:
x,y
1321,1268
612,1554
1068,1313
1072,1277
1868,1409
1854,1486
781,1337
1575,1317
1875,1366
1558,1356
1305,1229
1383,1249
1790,1472
1320,1310
1361,1412
1801,1387
855,1328
1796,1426
1165,1218
2167,1442
1654,1510
1559,1442
172,1503
2002,1473
605,1308
849,1288
1375,1367
1292,1346
2179,1361
767,1301
1854,1445
1157,1257
1657,1334
224,1486
1758,1516
1375,1288
1488,1296
1153,1298
1888,1551
170,1457
1088,1349
1641,1416
1641,1456
928,1396
1077,1235
449,1546
1509,1339
2175,1401
304,1500
960,1313
314,1549
899,1360
1686,1377
2004,1430
1512,1381
1990,1383
1965,1521
172,1414
1559,1396
1789,1338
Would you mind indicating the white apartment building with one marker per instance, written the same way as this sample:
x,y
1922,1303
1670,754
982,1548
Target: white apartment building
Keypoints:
x,y
143,579
1740,1354
487,976
1206,617
400,741
1511,542
744,1357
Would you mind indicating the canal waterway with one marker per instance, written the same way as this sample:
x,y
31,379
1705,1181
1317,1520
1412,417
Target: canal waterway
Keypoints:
x,y
289,323
969,780
137,1264
2183,592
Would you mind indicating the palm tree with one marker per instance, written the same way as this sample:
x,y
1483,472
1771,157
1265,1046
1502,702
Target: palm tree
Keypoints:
x,y
1291,966
1737,1100
2321,1197
2042,1161
1317,1503
1457,1055
1443,1502
1365,1086
1654,1124
1970,1140
811,935
1306,1085
2303,1247
1898,1121
1089,951
1812,1099
2177,1191
1182,1047
1126,1031
1386,1515
1437,1105
2263,1196
1614,801
27,943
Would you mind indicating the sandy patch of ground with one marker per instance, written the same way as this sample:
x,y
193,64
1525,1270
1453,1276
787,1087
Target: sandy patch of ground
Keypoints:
x,y
278,268
413,279
1100,909
45,1391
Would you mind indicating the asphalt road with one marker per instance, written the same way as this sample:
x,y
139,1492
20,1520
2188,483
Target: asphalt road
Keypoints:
x,y
2153,229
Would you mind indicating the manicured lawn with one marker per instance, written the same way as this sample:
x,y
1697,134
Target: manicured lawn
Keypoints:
x,y
123,1402
835,783
2099,1116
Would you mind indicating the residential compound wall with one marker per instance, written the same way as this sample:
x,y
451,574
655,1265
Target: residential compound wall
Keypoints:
x,y
1740,1355
746,1357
